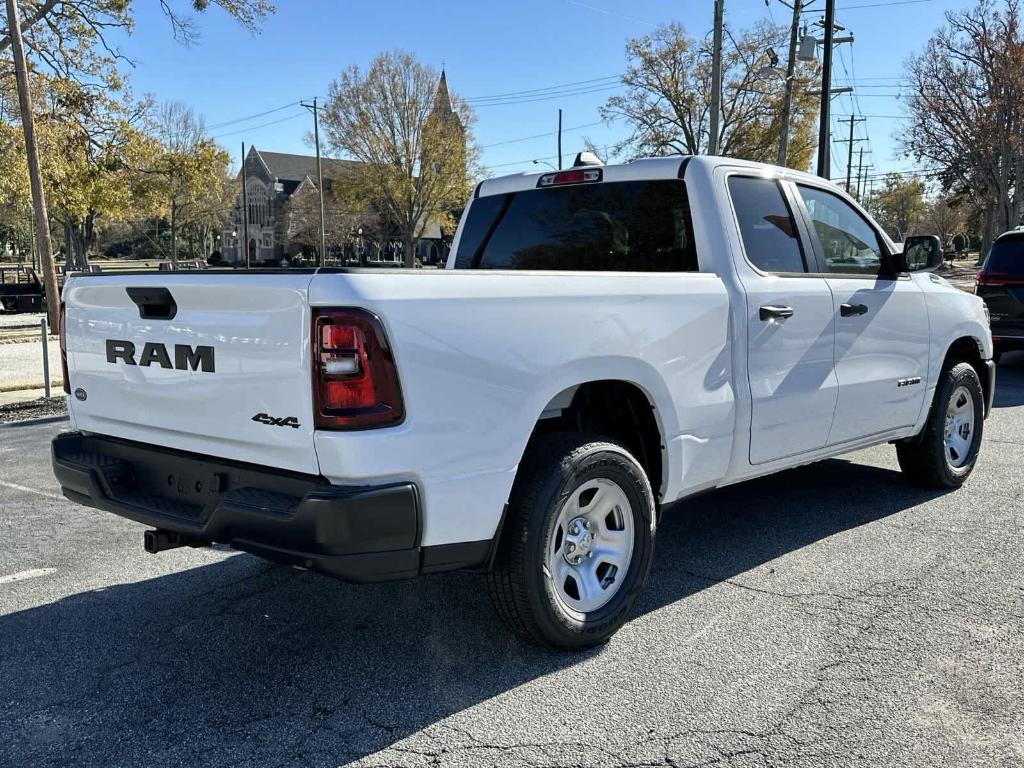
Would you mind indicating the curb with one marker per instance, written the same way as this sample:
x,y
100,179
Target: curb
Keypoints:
x,y
33,422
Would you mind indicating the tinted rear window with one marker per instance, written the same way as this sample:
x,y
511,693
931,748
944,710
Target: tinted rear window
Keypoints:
x,y
766,225
1007,257
631,226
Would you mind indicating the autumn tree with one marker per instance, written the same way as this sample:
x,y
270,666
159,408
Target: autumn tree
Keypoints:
x,y
71,43
898,205
91,144
412,138
967,110
667,102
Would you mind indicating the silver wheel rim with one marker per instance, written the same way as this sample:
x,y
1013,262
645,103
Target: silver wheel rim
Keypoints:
x,y
590,547
958,433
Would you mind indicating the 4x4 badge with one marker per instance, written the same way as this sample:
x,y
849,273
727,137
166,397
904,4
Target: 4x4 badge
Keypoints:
x,y
271,421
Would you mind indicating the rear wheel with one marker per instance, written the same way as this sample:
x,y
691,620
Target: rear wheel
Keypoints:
x,y
945,452
578,542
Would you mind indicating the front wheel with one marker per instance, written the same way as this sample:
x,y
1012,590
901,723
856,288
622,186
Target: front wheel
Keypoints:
x,y
578,542
945,452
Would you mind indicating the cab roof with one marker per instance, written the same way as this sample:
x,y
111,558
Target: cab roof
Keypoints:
x,y
642,169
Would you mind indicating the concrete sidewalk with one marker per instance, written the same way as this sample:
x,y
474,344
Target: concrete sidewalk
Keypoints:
x,y
21,364
26,395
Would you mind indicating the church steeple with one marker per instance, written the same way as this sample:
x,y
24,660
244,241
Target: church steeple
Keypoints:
x,y
442,99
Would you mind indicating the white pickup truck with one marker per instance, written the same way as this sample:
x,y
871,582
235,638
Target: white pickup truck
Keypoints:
x,y
604,341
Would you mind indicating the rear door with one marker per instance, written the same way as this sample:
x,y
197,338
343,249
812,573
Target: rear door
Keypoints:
x,y
790,326
881,321
215,363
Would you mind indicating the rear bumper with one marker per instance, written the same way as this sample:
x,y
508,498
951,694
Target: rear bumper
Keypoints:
x,y
1009,339
356,533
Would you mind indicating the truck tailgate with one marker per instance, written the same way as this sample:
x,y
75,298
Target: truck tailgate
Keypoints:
x,y
216,363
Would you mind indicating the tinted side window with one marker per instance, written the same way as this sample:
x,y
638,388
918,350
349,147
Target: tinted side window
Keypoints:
x,y
766,225
483,214
635,226
848,242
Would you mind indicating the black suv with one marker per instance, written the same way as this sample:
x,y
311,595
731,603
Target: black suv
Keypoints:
x,y
1001,284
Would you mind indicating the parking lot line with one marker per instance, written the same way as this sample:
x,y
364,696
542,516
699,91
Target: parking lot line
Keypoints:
x,y
36,491
34,573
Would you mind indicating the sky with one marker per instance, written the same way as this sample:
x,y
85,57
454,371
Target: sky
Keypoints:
x,y
548,54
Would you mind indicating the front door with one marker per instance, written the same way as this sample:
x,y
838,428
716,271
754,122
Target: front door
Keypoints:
x,y
790,327
881,321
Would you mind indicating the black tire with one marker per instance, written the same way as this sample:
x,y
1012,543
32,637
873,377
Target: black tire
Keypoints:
x,y
923,459
524,597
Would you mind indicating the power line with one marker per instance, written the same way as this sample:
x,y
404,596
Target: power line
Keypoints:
x,y
251,117
536,91
610,13
523,162
541,135
880,5
257,127
871,5
549,97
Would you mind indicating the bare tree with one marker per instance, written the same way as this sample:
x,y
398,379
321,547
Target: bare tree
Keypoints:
x,y
301,219
178,127
967,110
190,169
412,138
943,216
667,104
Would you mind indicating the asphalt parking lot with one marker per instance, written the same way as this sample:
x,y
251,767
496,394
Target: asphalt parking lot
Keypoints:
x,y
832,615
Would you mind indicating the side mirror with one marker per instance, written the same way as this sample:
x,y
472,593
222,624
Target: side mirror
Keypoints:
x,y
922,253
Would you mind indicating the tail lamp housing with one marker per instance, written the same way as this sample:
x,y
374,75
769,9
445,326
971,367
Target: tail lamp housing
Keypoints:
x,y
62,330
355,381
997,278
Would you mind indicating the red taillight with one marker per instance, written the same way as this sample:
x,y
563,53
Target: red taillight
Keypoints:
x,y
63,350
355,382
581,176
990,278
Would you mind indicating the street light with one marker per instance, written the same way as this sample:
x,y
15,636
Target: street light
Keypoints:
x,y
545,162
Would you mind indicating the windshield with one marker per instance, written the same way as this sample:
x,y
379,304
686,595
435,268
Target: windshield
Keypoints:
x,y
1006,258
622,226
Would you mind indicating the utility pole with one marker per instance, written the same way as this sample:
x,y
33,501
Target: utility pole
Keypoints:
x,y
849,158
245,211
860,172
28,123
559,139
787,99
716,77
320,178
824,156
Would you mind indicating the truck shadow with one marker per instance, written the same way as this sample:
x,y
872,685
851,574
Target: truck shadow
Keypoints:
x,y
240,661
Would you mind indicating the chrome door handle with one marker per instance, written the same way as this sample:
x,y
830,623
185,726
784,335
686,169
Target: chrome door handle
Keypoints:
x,y
772,312
852,310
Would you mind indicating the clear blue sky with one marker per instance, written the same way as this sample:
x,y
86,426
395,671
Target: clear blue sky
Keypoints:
x,y
492,48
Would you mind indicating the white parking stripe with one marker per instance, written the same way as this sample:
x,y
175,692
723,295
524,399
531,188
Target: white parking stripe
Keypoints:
x,y
35,573
36,491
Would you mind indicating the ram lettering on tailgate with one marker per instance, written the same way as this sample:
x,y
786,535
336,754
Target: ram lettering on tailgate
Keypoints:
x,y
185,356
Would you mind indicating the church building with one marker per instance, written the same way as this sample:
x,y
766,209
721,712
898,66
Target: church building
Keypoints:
x,y
273,178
